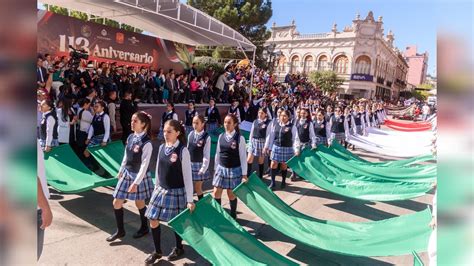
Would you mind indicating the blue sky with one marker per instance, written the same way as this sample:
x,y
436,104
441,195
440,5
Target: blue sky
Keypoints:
x,y
412,22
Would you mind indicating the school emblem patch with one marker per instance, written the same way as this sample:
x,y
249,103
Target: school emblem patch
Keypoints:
x,y
305,126
322,125
199,144
287,129
233,145
340,120
264,126
174,157
136,148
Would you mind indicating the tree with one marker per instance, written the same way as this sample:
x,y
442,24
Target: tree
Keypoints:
x,y
247,17
327,81
86,17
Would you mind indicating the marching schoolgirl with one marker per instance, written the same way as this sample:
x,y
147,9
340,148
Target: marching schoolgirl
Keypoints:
x,y
338,127
329,113
320,128
306,135
99,131
48,126
85,120
169,114
284,142
351,129
234,110
258,134
213,117
189,114
65,121
135,182
358,120
230,162
375,118
174,187
199,146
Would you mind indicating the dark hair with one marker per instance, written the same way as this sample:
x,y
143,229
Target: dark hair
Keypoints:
x,y
83,102
101,103
178,127
49,103
146,119
201,118
236,122
172,106
263,109
67,103
286,112
308,117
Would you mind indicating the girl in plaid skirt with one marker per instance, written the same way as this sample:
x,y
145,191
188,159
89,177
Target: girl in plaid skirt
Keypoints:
x,y
170,114
99,131
230,162
350,125
174,187
189,115
338,127
213,117
306,135
258,134
199,145
134,181
284,140
320,128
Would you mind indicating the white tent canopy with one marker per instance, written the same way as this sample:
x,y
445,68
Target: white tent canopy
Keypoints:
x,y
167,19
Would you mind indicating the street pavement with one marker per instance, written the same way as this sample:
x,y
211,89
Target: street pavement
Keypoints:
x,y
82,222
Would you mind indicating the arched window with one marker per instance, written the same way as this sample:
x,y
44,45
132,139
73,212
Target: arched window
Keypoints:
x,y
322,63
308,64
295,61
341,64
362,65
282,63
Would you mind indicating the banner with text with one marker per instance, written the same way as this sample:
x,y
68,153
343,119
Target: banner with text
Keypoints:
x,y
104,43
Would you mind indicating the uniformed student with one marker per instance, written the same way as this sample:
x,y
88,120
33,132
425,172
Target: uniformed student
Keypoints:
x,y
85,120
199,145
307,138
174,187
284,142
99,131
169,114
320,128
338,127
189,114
350,125
230,162
234,110
48,126
213,117
135,182
258,134
358,120
329,113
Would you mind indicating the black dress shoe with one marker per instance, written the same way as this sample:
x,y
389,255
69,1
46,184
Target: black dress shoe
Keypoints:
x,y
141,232
115,236
175,254
282,185
151,259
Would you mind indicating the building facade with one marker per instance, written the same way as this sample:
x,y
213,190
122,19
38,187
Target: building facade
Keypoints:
x,y
418,65
360,54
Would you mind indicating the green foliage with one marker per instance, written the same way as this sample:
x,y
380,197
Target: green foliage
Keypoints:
x,y
84,16
425,86
420,95
247,17
327,81
185,57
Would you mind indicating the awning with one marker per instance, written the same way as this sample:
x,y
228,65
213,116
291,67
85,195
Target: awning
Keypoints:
x,y
167,19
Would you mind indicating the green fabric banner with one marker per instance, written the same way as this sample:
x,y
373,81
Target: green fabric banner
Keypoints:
x,y
338,149
109,157
220,239
390,237
418,173
66,173
310,167
417,260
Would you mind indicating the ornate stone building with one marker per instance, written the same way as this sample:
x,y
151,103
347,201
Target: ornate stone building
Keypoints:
x,y
360,54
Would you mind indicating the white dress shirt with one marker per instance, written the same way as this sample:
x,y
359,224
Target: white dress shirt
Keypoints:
x,y
187,174
242,150
146,156
85,121
50,122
